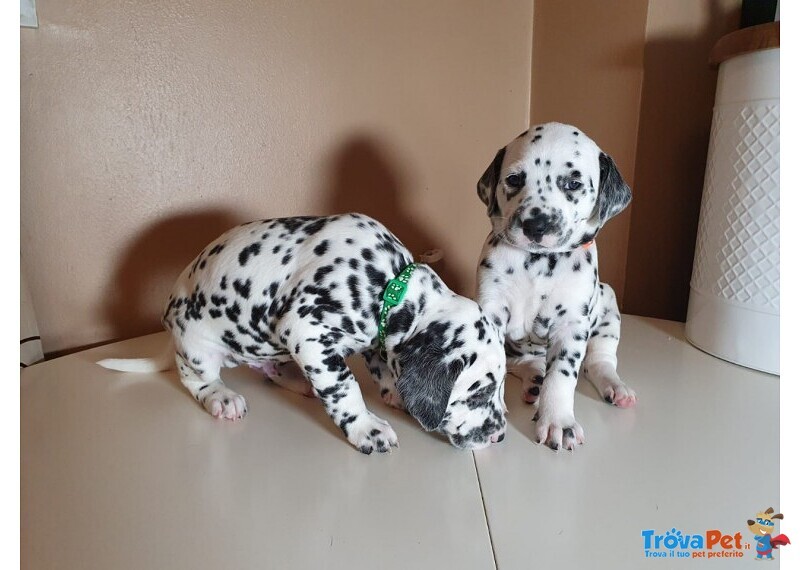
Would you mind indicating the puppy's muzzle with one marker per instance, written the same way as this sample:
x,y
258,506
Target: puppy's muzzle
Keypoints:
x,y
497,437
539,224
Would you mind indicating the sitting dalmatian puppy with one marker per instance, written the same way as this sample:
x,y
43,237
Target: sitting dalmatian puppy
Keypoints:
x,y
548,193
294,297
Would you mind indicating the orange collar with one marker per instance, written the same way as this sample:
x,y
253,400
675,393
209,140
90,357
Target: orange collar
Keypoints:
x,y
588,244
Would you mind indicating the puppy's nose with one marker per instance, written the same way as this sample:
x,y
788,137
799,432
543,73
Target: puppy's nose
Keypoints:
x,y
535,226
498,437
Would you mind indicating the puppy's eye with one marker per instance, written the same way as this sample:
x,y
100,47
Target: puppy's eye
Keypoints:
x,y
573,185
515,180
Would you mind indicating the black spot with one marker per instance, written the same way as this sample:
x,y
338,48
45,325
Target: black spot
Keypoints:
x,y
229,339
315,226
320,273
399,321
251,250
376,278
321,248
233,312
241,287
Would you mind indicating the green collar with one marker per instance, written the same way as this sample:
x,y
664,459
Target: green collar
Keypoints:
x,y
392,295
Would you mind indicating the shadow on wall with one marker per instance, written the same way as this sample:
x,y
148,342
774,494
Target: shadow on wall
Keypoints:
x,y
362,180
152,263
676,108
365,180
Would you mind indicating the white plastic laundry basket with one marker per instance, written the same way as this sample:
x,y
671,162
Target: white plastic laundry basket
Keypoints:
x,y
735,290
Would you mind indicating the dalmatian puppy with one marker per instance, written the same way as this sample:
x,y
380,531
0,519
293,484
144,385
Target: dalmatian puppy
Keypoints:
x,y
294,297
547,194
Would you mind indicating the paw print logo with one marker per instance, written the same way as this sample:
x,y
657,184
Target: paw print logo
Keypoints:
x,y
672,539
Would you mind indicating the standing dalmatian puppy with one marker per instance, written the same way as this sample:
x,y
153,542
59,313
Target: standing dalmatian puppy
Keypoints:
x,y
294,297
547,194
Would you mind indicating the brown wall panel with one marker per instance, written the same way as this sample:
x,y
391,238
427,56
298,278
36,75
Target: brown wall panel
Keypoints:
x,y
674,127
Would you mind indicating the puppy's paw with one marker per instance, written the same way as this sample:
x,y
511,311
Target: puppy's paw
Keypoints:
x,y
531,388
392,398
620,395
557,430
370,433
613,390
225,403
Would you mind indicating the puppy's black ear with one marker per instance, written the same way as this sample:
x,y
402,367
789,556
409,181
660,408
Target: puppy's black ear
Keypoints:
x,y
487,185
613,195
425,382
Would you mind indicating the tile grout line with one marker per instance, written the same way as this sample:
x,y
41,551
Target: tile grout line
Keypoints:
x,y
485,514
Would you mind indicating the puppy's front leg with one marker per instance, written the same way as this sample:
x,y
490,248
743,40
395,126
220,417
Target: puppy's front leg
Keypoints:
x,y
338,389
555,416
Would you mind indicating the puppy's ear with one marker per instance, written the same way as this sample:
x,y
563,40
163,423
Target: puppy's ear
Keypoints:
x,y
750,522
613,195
769,510
487,185
425,382
777,516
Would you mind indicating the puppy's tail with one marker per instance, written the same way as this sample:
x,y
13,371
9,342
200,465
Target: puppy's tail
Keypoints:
x,y
159,363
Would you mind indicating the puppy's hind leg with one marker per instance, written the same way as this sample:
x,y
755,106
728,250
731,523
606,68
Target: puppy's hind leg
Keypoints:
x,y
201,377
600,363
383,376
288,375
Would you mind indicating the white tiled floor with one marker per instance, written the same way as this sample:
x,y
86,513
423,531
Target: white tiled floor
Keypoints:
x,y
126,471
700,451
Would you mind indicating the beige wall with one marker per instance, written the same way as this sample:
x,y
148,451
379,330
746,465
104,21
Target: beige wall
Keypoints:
x,y
587,71
149,127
